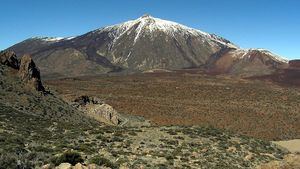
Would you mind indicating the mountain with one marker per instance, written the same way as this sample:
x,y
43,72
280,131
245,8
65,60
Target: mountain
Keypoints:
x,y
141,45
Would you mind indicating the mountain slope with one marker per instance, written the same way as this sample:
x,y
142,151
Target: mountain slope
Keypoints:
x,y
138,45
249,62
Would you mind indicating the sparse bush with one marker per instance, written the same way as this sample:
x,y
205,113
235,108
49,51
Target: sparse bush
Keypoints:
x,y
132,133
71,157
14,161
8,161
101,161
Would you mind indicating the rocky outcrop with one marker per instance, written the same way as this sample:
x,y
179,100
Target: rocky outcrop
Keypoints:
x,y
30,74
99,110
9,58
27,70
105,111
84,100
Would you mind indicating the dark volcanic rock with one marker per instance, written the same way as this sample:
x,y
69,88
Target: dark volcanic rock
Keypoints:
x,y
84,100
9,58
30,74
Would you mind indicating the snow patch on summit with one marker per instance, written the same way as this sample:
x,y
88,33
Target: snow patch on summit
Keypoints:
x,y
149,24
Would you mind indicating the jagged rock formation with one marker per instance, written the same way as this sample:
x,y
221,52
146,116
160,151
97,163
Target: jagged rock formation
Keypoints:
x,y
9,58
99,110
30,74
26,67
144,44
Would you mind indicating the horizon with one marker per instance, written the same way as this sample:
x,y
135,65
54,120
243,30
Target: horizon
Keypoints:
x,y
257,24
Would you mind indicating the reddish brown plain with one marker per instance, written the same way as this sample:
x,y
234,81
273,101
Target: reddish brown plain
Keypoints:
x,y
251,107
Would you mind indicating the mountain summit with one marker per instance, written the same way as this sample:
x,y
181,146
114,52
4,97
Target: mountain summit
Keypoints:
x,y
150,26
141,45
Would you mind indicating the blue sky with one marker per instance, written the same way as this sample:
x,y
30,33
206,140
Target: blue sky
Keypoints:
x,y
271,24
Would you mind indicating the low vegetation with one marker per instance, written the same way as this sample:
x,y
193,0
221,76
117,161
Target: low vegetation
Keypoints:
x,y
45,141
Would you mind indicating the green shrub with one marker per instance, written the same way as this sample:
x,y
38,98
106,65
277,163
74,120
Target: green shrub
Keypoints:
x,y
101,161
71,157
8,161
12,161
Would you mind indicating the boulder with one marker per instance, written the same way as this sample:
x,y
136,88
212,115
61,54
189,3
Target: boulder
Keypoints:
x,y
80,166
30,74
64,166
46,166
9,58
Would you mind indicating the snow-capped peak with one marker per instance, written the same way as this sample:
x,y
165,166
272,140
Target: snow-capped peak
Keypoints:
x,y
149,24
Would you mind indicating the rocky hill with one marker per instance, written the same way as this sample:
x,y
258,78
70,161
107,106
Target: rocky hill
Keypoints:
x,y
22,89
141,45
251,62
